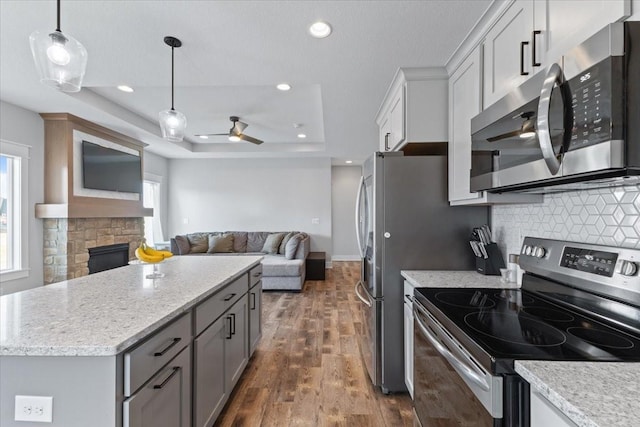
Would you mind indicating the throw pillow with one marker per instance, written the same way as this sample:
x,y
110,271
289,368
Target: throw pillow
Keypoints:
x,y
183,245
220,244
199,242
292,246
285,239
272,243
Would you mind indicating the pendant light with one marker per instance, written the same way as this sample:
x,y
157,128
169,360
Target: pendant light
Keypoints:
x,y
60,59
173,123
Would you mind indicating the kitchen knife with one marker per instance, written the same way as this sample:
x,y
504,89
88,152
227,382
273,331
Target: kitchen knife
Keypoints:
x,y
487,231
483,250
473,247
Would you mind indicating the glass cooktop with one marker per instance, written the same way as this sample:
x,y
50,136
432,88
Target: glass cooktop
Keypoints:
x,y
516,324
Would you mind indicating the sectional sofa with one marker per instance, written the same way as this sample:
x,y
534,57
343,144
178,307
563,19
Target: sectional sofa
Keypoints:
x,y
285,253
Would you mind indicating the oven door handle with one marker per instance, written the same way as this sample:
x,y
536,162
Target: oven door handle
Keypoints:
x,y
465,370
368,303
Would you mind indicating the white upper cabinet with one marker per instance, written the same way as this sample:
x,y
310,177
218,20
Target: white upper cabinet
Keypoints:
x,y
414,108
532,34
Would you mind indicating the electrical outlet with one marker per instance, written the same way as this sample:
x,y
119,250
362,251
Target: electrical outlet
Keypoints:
x,y
34,408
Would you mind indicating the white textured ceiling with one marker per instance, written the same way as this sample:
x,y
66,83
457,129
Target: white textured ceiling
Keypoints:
x,y
233,54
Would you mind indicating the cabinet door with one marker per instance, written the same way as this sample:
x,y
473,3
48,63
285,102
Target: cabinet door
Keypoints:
x,y
396,119
236,352
408,348
464,103
385,134
255,317
165,401
209,368
503,52
564,24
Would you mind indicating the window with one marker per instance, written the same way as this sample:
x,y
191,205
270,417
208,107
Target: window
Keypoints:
x,y
151,199
14,160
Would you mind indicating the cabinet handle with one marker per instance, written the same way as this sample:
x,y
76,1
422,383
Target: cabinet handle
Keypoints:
x,y
534,61
167,348
174,370
522,71
229,297
253,300
386,141
230,334
257,274
233,323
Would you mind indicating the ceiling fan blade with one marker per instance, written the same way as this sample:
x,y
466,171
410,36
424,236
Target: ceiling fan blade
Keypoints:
x,y
212,134
250,139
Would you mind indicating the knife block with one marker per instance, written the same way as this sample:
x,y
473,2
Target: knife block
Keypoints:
x,y
492,265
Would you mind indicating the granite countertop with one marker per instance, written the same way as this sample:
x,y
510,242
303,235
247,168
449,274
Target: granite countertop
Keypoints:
x,y
104,313
591,394
454,279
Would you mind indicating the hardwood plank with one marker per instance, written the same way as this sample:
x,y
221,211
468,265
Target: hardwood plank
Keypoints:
x,y
307,369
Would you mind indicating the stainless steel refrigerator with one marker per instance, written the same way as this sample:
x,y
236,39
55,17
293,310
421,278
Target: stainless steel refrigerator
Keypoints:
x,y
404,222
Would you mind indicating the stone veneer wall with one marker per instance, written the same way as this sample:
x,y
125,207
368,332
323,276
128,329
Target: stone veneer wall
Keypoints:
x,y
67,240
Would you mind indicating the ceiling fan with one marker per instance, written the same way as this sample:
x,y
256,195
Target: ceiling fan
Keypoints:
x,y
235,133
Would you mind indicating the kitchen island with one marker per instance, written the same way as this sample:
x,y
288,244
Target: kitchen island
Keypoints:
x,y
98,342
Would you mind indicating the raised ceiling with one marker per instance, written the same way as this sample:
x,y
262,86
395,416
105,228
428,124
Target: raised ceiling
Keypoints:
x,y
233,55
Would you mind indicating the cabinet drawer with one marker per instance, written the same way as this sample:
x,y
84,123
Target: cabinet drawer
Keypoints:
x,y
145,360
208,311
255,275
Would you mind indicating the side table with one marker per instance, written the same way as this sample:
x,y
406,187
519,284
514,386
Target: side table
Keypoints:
x,y
315,265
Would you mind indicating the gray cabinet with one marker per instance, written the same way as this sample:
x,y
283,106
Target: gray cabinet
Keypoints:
x,y
236,350
208,373
165,401
255,316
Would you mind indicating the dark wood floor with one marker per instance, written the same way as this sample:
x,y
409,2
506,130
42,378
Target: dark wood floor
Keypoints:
x,y
307,370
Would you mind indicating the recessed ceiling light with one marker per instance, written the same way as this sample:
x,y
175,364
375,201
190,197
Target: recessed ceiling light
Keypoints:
x,y
203,136
283,86
302,135
125,88
349,162
320,29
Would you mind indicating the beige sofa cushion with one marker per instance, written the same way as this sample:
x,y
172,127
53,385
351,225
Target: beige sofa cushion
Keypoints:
x,y
239,240
199,242
220,244
272,243
285,239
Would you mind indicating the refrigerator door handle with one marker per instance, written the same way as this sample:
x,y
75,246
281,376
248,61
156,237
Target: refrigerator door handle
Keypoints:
x,y
366,302
358,214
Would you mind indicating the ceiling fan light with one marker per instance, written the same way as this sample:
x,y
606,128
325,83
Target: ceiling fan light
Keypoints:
x,y
173,124
283,86
61,60
528,134
320,30
234,138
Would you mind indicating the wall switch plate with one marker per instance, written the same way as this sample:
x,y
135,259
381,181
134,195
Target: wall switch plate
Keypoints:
x,y
315,221
34,408
185,220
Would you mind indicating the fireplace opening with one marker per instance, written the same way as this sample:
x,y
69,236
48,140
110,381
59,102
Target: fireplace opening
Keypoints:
x,y
103,258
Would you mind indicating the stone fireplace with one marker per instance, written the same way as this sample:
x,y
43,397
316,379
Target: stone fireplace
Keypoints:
x,y
67,242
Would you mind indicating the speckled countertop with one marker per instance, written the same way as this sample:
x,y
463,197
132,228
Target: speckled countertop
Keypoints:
x,y
104,313
591,394
453,279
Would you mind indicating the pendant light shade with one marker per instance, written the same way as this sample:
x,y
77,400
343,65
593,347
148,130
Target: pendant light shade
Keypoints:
x,y
60,59
172,123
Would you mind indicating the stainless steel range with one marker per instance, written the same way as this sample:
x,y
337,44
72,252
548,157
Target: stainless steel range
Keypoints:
x,y
578,302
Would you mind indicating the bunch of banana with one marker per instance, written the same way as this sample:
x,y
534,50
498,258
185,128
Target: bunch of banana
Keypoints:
x,y
147,254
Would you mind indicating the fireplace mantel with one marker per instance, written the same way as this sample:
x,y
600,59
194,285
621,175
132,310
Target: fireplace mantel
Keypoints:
x,y
61,201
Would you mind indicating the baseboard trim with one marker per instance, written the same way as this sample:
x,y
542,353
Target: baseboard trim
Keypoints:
x,y
346,258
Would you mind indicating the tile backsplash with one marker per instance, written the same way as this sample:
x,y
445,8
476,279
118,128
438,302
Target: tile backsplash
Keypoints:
x,y
607,216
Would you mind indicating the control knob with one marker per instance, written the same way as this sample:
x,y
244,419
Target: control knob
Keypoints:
x,y
628,268
538,252
526,250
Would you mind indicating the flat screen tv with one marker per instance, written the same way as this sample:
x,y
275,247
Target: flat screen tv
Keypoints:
x,y
111,170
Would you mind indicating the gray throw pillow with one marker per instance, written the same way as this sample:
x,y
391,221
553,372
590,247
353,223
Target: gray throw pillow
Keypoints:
x,y
272,243
220,244
292,246
199,242
183,245
285,239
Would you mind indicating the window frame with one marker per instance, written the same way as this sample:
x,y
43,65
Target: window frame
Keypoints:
x,y
21,210
156,180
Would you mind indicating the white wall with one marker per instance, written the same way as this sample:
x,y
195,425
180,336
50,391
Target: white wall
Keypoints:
x,y
344,189
158,166
27,128
252,195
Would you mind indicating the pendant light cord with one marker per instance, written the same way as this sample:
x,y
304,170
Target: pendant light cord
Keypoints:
x,y
58,20
172,77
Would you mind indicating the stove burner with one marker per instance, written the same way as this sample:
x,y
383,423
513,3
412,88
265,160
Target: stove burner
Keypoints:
x,y
462,299
515,329
548,314
514,296
601,338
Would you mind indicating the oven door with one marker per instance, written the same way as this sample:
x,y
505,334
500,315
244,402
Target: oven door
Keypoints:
x,y
450,388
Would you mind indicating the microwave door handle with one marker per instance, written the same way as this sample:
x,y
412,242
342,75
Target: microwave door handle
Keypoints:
x,y
358,214
463,368
554,75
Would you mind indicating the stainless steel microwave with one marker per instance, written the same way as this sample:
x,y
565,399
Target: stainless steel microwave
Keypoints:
x,y
575,125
